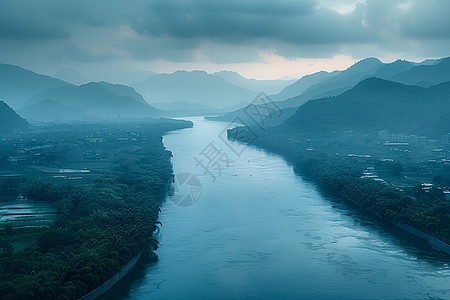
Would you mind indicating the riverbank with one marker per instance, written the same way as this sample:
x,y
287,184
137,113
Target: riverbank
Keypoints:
x,y
100,228
425,216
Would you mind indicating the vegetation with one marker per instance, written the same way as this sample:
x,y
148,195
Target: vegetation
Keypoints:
x,y
424,210
374,104
99,227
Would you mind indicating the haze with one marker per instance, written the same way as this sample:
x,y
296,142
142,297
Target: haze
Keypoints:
x,y
203,149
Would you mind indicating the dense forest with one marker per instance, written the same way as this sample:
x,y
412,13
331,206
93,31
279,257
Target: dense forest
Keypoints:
x,y
424,210
98,228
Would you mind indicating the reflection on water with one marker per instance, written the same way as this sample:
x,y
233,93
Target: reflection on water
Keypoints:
x,y
262,232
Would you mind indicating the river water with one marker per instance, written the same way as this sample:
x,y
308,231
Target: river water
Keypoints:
x,y
260,231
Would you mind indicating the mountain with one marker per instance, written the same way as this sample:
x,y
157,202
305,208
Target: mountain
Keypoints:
x,y
267,86
341,81
99,99
123,90
299,86
426,75
9,120
324,84
375,104
344,80
196,87
51,111
17,84
71,75
392,69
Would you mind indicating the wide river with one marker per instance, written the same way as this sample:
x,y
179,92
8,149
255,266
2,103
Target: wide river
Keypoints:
x,y
260,231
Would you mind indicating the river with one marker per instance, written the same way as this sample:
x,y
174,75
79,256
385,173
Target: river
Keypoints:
x,y
260,231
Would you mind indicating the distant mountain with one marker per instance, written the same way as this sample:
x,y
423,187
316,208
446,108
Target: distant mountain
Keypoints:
x,y
322,84
51,111
99,99
123,90
430,61
267,86
299,86
17,84
426,75
392,69
71,75
344,80
376,104
9,120
341,81
196,87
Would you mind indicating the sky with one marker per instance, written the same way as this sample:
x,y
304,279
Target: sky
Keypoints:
x,y
122,41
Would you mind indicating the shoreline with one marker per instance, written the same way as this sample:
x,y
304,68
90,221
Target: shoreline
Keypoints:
x,y
432,241
111,282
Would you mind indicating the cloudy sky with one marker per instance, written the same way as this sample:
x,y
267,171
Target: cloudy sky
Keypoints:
x,y
122,40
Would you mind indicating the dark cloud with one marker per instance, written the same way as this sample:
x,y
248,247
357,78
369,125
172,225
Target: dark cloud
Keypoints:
x,y
27,22
222,31
386,23
237,21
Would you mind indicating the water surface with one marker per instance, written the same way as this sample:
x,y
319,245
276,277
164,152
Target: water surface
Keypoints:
x,y
262,232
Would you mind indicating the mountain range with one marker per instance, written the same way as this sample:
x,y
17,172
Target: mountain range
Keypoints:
x,y
193,87
324,84
375,104
267,86
98,99
17,85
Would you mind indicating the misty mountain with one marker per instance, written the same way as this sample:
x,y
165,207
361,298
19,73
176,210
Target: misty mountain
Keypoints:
x,y
339,83
342,81
392,69
196,87
426,75
99,99
267,86
317,85
17,84
299,86
376,104
123,90
51,111
10,120
71,75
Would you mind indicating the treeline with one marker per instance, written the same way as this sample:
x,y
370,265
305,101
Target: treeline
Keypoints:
x,y
425,211
97,231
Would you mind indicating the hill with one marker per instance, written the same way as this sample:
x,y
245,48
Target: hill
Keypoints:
x,y
9,120
337,84
299,86
97,99
376,104
195,87
267,86
17,84
324,84
426,75
51,111
71,75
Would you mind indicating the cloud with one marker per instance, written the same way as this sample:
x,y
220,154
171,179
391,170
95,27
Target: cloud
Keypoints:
x,y
218,32
84,55
27,22
241,22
